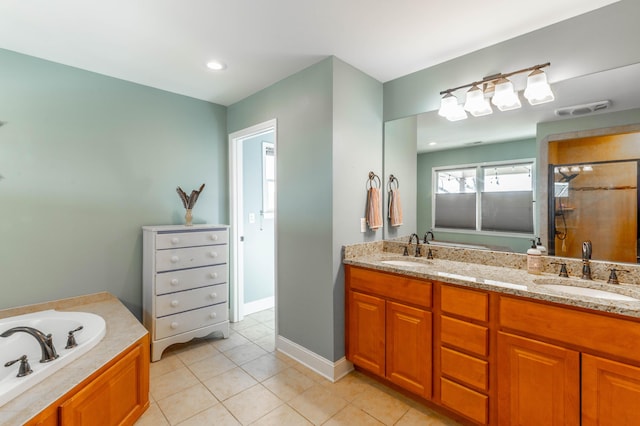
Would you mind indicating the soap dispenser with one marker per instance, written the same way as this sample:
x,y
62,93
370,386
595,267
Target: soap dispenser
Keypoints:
x,y
534,259
539,246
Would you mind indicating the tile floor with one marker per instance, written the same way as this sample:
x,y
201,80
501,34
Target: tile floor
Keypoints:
x,y
242,380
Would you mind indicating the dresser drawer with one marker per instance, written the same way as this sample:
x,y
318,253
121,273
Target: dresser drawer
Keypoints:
x,y
463,400
464,335
174,303
467,369
191,320
167,260
172,281
466,303
191,239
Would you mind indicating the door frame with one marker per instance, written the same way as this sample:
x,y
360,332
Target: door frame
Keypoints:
x,y
236,288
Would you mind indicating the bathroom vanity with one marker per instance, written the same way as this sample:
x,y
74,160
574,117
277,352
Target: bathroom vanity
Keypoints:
x,y
108,385
491,345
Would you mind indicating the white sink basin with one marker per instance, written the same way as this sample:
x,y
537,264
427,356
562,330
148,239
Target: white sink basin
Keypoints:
x,y
589,292
404,263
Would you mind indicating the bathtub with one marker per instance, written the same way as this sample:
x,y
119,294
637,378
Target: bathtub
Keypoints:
x,y
51,321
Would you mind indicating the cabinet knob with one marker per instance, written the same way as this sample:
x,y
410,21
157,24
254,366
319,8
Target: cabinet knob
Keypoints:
x,y
212,315
213,254
214,237
174,259
174,325
174,303
175,240
213,275
174,281
214,295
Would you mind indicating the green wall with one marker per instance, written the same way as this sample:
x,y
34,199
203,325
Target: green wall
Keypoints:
x,y
477,154
86,160
329,135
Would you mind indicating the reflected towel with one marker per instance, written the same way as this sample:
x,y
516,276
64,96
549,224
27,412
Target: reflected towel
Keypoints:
x,y
374,215
395,208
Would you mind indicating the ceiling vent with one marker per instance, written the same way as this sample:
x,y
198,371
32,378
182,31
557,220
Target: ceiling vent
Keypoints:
x,y
582,109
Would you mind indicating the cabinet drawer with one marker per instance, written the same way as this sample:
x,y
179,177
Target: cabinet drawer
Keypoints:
x,y
472,371
191,320
191,239
400,288
615,336
167,260
465,401
466,303
174,303
172,281
471,337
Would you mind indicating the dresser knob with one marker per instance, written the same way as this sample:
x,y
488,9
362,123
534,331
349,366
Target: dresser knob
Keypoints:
x,y
213,275
212,315
174,303
213,254
174,259
214,237
214,295
174,325
175,240
174,281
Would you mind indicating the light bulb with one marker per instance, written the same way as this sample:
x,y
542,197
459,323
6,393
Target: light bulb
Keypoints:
x,y
476,103
538,90
505,98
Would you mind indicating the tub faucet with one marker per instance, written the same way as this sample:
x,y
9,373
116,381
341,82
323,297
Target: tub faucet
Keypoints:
x,y
586,256
45,341
425,239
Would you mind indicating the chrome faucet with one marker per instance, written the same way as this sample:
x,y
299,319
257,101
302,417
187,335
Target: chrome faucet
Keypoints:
x,y
425,239
45,341
587,249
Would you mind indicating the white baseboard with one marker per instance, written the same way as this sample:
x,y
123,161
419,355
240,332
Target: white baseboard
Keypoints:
x,y
333,371
258,305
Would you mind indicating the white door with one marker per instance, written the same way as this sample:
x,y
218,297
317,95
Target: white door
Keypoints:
x,y
252,222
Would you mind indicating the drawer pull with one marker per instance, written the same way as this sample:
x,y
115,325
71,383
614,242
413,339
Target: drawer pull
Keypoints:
x,y
175,240
213,275
212,315
175,281
174,325
214,295
213,254
174,259
214,237
174,303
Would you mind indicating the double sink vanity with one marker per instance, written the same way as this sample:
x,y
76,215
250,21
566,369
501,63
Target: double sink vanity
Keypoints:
x,y
473,334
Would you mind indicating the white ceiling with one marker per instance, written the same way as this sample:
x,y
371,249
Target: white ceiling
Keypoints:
x,y
166,43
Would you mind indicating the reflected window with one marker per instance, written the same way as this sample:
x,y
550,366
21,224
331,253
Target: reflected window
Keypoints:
x,y
268,179
488,197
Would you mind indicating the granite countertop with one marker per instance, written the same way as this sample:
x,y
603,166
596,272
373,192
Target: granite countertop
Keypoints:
x,y
505,280
123,329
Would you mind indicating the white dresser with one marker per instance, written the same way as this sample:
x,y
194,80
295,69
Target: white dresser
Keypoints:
x,y
185,283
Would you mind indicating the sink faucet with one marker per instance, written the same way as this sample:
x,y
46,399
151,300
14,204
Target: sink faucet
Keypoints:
x,y
425,239
417,251
587,249
45,341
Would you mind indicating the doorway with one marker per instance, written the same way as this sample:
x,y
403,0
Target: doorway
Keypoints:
x,y
252,170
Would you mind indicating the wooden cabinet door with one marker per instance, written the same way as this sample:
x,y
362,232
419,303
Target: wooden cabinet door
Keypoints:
x,y
116,397
538,383
365,343
409,345
610,392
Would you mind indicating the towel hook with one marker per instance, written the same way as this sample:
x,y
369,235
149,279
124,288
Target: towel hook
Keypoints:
x,y
372,180
393,180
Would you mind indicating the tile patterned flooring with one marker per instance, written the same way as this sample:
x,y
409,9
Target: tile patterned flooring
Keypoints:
x,y
242,380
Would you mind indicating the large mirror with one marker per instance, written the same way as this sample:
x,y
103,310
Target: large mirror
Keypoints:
x,y
594,71
539,133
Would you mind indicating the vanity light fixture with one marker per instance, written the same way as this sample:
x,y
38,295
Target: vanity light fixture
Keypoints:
x,y
502,92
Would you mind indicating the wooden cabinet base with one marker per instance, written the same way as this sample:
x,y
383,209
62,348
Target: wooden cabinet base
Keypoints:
x,y
117,394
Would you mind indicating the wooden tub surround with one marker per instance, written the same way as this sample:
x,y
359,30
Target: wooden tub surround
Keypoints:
x,y
492,355
109,385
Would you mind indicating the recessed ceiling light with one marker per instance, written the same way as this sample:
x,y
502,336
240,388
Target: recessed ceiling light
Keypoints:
x,y
433,143
216,65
